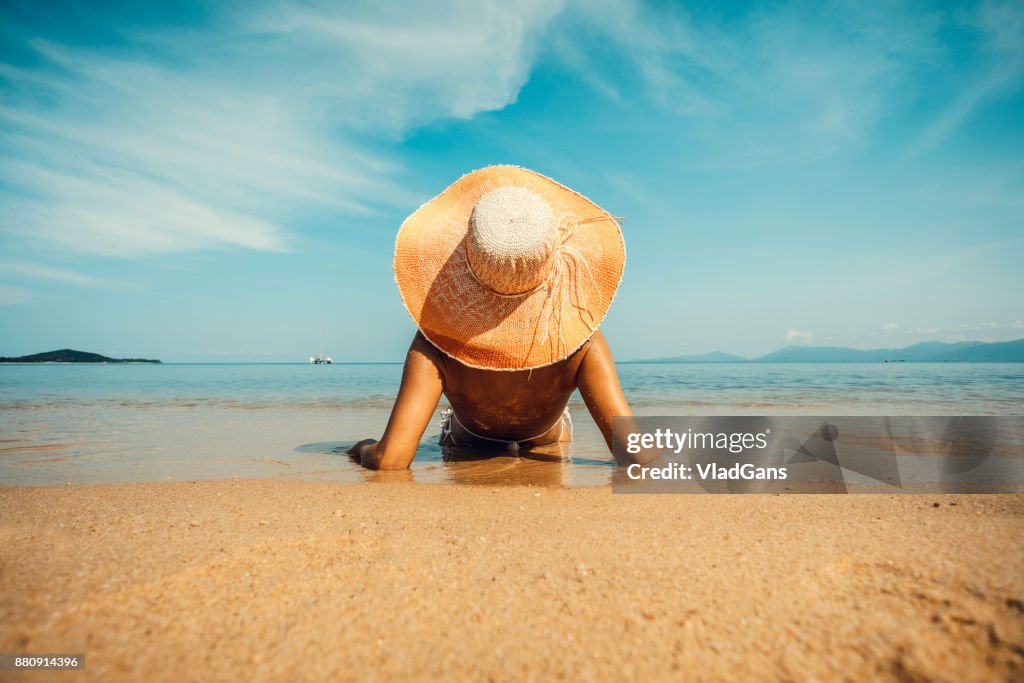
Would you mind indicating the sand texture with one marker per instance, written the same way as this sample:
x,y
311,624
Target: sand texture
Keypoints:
x,y
275,580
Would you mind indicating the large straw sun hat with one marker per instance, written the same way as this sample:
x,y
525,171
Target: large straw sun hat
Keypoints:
x,y
507,269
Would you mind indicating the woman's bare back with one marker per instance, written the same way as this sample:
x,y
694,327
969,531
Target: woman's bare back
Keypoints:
x,y
506,405
509,405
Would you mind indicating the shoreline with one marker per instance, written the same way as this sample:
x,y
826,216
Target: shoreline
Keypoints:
x,y
266,578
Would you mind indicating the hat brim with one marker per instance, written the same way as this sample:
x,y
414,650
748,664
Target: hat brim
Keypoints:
x,y
481,328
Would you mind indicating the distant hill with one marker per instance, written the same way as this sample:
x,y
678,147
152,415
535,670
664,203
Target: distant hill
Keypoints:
x,y
713,357
925,352
72,356
827,354
918,353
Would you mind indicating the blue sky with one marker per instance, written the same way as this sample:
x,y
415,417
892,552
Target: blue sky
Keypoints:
x,y
221,181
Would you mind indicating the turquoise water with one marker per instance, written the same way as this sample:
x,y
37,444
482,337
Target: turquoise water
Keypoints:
x,y
92,423
865,388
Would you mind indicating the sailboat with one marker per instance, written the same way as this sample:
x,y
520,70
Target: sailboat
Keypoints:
x,y
320,358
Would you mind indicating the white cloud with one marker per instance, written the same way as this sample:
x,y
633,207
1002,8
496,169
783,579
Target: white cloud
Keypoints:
x,y
794,336
230,134
233,133
889,327
391,69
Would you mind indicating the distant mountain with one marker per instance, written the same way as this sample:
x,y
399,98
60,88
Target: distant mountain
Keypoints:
x,y
981,351
713,357
925,352
825,354
72,356
918,353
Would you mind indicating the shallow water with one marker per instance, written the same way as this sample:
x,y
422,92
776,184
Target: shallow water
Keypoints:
x,y
101,423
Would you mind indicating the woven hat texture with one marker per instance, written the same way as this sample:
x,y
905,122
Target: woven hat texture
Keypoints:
x,y
507,269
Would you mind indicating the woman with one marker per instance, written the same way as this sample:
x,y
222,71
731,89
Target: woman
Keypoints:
x,y
507,274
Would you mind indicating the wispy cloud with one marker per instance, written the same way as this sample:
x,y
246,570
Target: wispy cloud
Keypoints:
x,y
12,295
783,83
38,271
235,132
1000,26
672,57
231,134
769,85
993,330
392,68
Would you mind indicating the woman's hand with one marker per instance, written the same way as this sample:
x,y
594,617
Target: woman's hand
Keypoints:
x,y
359,452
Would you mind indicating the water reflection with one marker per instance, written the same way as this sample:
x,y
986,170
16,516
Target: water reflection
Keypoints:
x,y
552,465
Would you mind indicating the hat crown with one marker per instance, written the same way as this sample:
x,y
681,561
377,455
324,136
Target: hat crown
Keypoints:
x,y
511,240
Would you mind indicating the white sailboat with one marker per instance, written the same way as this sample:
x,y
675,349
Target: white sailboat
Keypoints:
x,y
320,358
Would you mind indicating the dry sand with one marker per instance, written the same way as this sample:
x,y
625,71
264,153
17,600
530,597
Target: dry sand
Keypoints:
x,y
272,580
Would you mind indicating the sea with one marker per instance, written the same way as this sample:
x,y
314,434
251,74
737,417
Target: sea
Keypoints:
x,y
94,423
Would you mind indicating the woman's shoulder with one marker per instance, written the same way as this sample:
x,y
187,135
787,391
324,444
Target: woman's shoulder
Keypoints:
x,y
422,346
595,340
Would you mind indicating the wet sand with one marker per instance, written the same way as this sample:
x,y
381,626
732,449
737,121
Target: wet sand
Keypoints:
x,y
294,580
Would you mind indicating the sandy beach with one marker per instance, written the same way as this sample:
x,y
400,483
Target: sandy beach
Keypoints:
x,y
272,580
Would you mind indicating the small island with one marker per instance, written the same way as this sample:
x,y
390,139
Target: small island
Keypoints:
x,y
72,356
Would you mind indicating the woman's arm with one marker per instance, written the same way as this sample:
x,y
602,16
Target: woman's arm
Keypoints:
x,y
422,383
598,383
